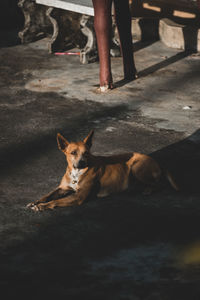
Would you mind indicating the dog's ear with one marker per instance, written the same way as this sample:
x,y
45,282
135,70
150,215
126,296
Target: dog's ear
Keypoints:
x,y
88,139
62,142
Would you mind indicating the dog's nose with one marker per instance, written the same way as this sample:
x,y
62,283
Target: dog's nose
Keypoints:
x,y
82,164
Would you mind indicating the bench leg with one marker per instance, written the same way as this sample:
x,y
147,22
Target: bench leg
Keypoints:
x,y
75,30
89,52
36,24
115,43
66,29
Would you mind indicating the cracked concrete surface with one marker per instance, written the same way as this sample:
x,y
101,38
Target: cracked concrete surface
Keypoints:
x,y
128,246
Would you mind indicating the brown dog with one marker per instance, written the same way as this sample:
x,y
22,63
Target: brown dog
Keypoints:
x,y
101,176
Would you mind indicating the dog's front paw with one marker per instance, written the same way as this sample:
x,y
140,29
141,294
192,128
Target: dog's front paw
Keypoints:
x,y
41,206
30,205
34,206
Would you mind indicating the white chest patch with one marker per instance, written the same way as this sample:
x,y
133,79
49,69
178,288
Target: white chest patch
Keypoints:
x,y
75,177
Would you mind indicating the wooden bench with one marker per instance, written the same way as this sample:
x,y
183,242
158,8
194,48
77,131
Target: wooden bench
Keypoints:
x,y
65,21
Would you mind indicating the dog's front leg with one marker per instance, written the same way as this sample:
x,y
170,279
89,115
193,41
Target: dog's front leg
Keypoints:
x,y
55,194
88,189
74,199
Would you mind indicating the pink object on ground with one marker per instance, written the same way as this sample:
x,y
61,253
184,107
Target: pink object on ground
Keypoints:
x,y
67,53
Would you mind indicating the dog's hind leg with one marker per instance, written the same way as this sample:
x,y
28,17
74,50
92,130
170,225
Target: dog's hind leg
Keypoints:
x,y
145,171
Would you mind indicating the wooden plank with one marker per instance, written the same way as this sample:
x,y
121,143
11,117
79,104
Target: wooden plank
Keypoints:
x,y
182,4
79,6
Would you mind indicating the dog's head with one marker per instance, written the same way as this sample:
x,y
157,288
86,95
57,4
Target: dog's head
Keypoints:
x,y
77,153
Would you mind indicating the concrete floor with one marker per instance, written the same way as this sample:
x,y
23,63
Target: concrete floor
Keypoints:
x,y
128,246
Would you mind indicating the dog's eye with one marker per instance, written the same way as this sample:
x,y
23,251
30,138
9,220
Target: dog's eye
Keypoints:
x,y
74,152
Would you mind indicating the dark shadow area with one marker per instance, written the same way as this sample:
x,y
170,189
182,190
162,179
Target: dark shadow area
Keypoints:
x,y
156,67
11,21
182,159
16,154
58,260
57,256
122,82
164,63
141,45
9,37
149,29
10,14
190,38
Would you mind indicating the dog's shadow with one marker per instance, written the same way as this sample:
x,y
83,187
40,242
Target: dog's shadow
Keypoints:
x,y
183,160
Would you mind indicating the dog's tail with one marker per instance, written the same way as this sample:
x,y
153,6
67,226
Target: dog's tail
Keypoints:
x,y
171,180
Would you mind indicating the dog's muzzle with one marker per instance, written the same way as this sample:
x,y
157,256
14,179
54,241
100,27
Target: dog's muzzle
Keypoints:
x,y
82,164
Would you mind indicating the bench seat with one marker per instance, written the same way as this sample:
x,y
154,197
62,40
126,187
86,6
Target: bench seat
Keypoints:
x,y
78,6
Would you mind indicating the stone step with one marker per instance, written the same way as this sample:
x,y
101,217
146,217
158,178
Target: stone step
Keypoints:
x,y
172,34
184,37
